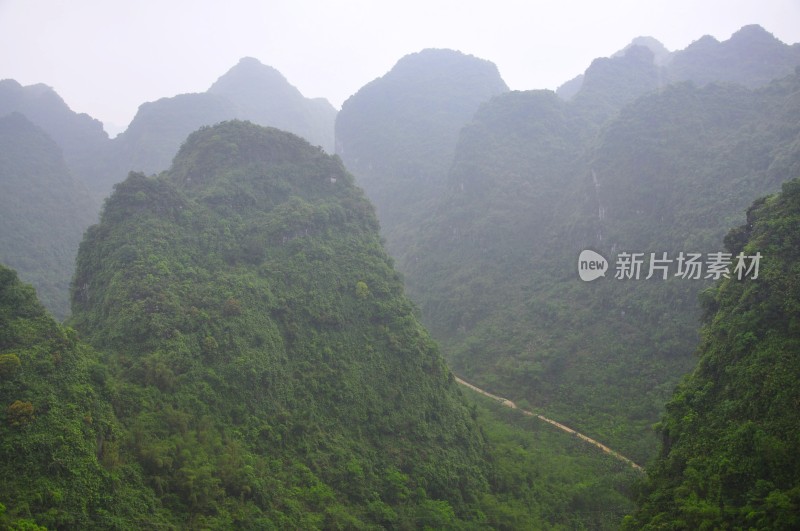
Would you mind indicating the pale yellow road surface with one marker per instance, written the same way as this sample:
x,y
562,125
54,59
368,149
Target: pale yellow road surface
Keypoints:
x,y
508,403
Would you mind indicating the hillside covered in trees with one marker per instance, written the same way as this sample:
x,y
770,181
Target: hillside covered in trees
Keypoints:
x,y
241,351
241,354
43,218
258,353
535,180
270,370
730,434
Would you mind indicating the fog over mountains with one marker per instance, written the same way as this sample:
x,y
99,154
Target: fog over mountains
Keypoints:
x,y
263,299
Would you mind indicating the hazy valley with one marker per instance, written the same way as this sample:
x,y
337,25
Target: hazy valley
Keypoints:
x,y
251,309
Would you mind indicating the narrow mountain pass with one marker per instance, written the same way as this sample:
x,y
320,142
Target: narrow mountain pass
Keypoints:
x,y
508,403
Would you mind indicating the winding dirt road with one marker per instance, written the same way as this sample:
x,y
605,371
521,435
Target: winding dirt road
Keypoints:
x,y
508,403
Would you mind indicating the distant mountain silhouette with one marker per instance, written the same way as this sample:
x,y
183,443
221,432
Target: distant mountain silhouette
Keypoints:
x,y
751,57
43,211
398,133
80,137
612,82
660,56
248,91
263,96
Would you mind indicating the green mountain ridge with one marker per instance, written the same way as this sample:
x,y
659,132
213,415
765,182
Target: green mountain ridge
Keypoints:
x,y
730,433
246,305
249,90
242,352
494,266
58,434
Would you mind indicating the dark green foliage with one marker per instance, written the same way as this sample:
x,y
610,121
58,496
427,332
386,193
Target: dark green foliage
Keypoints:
x,y
9,364
545,479
57,431
43,211
731,432
267,368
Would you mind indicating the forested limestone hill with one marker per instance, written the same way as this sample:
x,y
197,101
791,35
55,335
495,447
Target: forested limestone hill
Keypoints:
x,y
59,439
731,431
495,266
95,163
269,370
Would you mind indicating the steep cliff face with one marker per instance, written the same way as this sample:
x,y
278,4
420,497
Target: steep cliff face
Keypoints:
x,y
731,432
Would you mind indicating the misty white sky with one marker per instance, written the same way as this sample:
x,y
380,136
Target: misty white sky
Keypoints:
x,y
106,57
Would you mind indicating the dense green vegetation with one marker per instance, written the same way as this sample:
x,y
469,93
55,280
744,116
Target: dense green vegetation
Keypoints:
x,y
59,439
45,207
494,266
67,463
43,211
544,479
241,353
254,363
731,431
269,370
